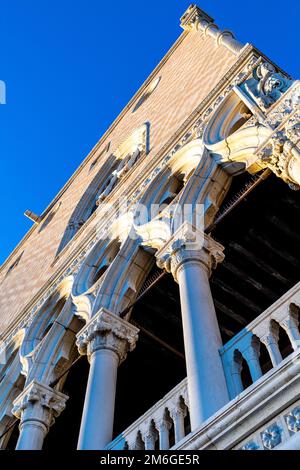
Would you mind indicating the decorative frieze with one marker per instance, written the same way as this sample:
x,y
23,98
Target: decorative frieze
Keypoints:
x,y
293,420
271,437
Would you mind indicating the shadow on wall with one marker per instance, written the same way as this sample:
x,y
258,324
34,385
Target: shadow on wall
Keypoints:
x,y
87,204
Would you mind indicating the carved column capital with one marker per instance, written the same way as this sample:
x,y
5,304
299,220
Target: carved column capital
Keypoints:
x,y
39,402
282,156
162,422
107,331
189,245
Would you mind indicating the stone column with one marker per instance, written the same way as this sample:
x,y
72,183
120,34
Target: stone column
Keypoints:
x,y
163,425
291,325
178,413
190,256
270,340
37,407
106,339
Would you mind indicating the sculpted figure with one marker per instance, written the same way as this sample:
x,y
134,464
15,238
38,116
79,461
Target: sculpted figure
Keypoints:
x,y
267,85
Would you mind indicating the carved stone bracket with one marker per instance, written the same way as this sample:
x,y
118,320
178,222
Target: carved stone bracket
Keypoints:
x,y
40,403
107,331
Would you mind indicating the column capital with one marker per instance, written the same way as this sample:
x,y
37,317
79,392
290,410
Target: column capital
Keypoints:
x,y
40,402
107,331
188,245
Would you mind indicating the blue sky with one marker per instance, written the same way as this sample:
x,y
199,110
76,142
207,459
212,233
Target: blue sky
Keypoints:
x,y
70,66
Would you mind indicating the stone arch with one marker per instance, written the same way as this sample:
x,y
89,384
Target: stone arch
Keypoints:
x,y
232,138
124,277
95,266
87,204
42,323
120,161
170,183
57,351
12,382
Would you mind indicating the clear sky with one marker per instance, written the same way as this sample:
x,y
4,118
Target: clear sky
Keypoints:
x,y
70,66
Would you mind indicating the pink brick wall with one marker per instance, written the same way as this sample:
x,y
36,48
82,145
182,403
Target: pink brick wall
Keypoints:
x,y
187,77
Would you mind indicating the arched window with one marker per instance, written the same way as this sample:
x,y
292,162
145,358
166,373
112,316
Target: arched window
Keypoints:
x,y
117,165
95,266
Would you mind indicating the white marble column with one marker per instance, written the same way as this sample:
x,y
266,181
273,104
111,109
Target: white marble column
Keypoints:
x,y
37,407
191,256
106,339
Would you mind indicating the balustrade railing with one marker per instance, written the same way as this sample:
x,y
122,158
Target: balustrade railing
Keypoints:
x,y
161,427
264,330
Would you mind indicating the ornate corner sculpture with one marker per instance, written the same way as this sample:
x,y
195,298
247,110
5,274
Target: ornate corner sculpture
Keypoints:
x,y
107,331
42,403
266,85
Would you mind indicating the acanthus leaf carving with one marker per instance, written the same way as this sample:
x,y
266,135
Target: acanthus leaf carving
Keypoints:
x,y
107,331
42,403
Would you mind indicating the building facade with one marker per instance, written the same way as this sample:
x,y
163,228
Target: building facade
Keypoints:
x,y
155,302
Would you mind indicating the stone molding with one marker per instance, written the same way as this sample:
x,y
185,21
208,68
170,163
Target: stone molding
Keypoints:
x,y
196,19
107,331
39,402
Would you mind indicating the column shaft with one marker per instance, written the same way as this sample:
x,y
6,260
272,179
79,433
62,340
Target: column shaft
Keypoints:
x,y
32,435
98,413
202,339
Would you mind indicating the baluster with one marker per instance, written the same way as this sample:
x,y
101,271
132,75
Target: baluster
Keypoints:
x,y
251,355
149,436
163,425
178,412
135,442
236,370
270,340
291,325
